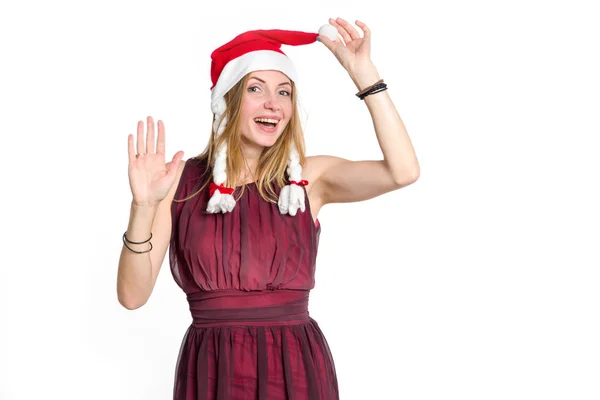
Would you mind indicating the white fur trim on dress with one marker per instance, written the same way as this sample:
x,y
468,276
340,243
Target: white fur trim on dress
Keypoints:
x,y
292,197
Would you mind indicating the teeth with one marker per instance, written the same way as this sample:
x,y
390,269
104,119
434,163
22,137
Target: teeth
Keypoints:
x,y
268,120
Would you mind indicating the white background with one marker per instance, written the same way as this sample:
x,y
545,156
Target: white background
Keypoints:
x,y
479,281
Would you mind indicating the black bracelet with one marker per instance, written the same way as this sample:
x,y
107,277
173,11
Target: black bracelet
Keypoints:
x,y
129,241
375,89
365,90
138,252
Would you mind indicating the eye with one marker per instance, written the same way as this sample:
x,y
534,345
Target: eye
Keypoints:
x,y
251,89
284,93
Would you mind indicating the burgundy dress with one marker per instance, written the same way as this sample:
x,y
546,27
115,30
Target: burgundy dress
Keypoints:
x,y
247,276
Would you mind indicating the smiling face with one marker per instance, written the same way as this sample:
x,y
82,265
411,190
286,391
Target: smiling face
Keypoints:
x,y
266,108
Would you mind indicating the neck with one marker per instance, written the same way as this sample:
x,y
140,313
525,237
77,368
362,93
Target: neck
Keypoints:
x,y
251,156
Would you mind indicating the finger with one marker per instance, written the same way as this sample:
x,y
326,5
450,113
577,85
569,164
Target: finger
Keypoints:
x,y
330,44
150,136
348,28
130,150
341,31
364,28
161,145
140,137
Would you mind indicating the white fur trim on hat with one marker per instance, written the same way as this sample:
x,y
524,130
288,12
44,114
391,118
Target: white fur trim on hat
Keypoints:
x,y
237,68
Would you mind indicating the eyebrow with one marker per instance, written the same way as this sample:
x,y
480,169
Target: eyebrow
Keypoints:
x,y
260,80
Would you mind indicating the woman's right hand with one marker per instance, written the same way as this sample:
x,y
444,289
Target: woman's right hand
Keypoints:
x,y
149,177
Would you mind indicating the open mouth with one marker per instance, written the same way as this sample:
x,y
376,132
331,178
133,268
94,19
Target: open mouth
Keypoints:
x,y
266,122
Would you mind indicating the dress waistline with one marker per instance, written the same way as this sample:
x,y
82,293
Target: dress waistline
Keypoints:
x,y
237,307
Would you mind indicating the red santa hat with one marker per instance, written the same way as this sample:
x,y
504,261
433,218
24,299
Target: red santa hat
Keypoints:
x,y
254,51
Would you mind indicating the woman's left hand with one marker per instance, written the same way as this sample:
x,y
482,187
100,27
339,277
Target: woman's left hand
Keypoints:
x,y
354,53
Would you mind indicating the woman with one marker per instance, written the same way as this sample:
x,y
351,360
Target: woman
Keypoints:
x,y
241,219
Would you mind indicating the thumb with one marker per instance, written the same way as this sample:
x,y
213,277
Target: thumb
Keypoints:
x,y
175,163
330,44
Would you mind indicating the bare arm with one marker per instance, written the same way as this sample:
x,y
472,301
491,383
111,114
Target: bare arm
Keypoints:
x,y
153,184
337,180
137,273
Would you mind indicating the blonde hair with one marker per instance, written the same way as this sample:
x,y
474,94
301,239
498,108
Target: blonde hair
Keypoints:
x,y
273,161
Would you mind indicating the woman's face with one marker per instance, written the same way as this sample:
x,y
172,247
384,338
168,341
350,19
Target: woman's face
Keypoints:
x,y
266,107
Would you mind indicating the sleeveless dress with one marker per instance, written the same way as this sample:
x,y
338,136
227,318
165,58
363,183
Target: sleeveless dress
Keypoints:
x,y
247,275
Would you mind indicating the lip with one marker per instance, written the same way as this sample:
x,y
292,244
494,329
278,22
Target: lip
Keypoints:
x,y
267,131
264,129
269,117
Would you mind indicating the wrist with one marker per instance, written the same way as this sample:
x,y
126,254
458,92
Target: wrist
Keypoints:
x,y
365,77
143,208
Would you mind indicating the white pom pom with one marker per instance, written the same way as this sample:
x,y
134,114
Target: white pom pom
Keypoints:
x,y
291,199
329,31
296,199
220,203
214,203
227,203
284,199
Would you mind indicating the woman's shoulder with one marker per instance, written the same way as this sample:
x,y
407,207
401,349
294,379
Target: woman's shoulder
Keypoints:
x,y
179,173
316,165
310,168
192,163
191,171
180,167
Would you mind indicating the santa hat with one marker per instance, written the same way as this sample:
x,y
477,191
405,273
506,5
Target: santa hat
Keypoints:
x,y
254,51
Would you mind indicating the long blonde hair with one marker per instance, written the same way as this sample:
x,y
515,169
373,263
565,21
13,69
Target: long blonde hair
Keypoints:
x,y
272,163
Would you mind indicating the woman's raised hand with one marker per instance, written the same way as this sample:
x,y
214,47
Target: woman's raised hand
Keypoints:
x,y
354,51
149,177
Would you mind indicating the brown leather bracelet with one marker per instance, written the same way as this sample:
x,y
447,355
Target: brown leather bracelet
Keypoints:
x,y
375,89
368,88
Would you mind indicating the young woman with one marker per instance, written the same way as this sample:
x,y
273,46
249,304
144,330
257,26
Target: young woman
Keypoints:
x,y
240,220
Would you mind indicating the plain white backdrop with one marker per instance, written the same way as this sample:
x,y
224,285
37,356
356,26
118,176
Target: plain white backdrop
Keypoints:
x,y
479,281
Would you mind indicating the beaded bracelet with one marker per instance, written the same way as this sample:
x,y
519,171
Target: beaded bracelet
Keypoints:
x,y
125,241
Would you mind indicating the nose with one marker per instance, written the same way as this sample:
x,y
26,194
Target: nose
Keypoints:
x,y
271,103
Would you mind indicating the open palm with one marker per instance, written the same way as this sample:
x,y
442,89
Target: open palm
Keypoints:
x,y
149,177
